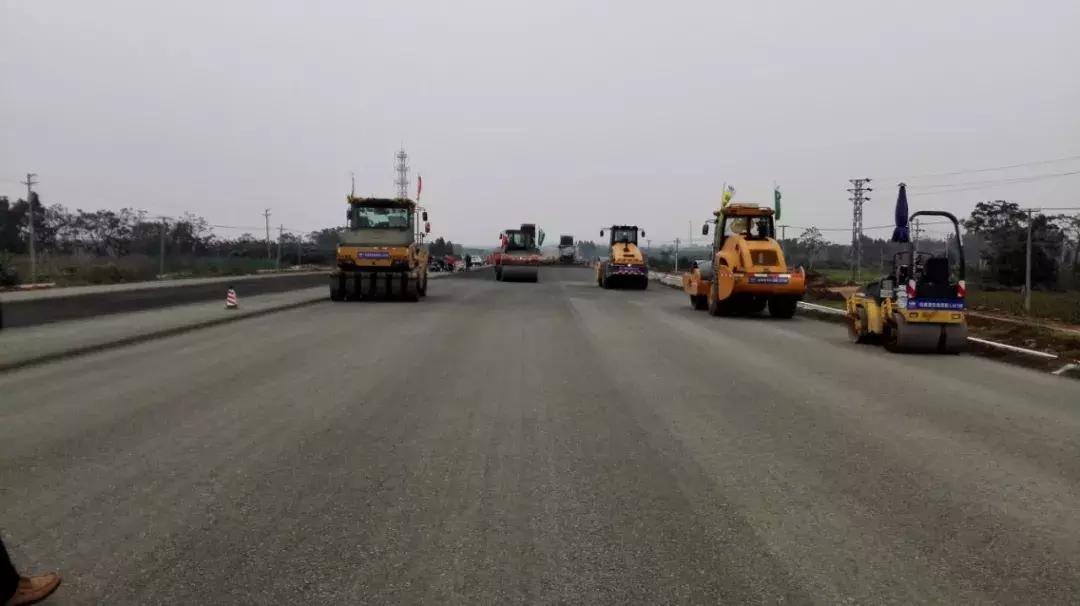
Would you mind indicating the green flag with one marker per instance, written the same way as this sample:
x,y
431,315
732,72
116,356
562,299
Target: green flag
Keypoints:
x,y
776,201
729,193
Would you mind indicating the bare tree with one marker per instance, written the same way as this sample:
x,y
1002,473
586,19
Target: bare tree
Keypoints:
x,y
813,243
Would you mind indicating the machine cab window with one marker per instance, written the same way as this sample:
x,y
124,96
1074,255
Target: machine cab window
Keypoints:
x,y
378,217
624,235
516,240
752,228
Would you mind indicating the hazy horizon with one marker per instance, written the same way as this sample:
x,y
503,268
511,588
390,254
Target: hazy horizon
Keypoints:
x,y
566,114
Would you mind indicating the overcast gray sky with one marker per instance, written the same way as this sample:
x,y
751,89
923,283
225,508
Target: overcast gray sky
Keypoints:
x,y
570,114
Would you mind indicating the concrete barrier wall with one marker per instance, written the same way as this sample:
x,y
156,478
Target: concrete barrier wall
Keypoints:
x,y
33,308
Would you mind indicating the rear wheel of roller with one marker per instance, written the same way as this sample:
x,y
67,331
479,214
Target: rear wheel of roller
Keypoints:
x,y
783,307
955,338
857,332
756,305
337,288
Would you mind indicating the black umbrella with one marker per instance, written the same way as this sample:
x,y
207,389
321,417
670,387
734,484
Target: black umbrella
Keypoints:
x,y
900,234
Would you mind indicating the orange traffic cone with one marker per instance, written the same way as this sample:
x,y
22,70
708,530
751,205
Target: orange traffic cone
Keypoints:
x,y
230,299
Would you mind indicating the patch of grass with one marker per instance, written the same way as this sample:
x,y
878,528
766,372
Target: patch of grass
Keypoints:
x,y
1024,335
838,303
834,275
75,270
1061,306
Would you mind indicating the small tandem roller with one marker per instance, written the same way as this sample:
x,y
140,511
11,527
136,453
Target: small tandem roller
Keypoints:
x,y
919,305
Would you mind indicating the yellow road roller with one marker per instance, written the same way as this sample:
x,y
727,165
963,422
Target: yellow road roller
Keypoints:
x,y
919,305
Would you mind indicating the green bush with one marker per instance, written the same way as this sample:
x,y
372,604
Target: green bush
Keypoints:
x,y
9,276
103,274
1063,306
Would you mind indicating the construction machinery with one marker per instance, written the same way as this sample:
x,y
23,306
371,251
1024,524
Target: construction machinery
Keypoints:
x,y
747,271
625,264
379,254
518,258
919,305
567,253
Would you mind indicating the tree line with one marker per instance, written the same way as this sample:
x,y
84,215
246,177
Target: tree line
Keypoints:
x,y
118,233
994,238
995,241
112,234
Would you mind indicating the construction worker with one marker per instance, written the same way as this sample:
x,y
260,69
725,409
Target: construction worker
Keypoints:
x,y
17,590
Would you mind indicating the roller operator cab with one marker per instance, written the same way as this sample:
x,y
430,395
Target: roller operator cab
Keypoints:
x,y
567,251
919,305
747,271
380,254
518,256
625,265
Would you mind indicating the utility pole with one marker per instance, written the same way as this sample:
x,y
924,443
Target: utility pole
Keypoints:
x,y
161,254
402,168
266,214
676,255
352,187
783,236
1027,268
917,230
280,241
858,191
30,183
299,250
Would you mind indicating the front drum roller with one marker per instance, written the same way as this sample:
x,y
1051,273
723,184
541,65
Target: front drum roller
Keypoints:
x,y
857,326
915,337
725,283
955,338
716,305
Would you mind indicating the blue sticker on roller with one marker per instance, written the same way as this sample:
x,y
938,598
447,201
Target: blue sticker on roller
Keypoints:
x,y
382,254
769,279
947,304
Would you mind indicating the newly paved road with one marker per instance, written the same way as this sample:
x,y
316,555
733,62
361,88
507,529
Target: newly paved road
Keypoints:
x,y
538,443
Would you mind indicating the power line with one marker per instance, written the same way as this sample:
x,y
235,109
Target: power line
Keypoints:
x,y
985,170
950,187
872,227
254,227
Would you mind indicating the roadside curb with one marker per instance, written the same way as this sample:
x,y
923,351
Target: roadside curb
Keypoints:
x,y
166,332
981,347
152,335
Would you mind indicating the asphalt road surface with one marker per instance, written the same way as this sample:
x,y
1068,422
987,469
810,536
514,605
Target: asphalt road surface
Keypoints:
x,y
536,443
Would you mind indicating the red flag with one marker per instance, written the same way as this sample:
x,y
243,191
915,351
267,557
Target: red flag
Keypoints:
x,y
419,186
